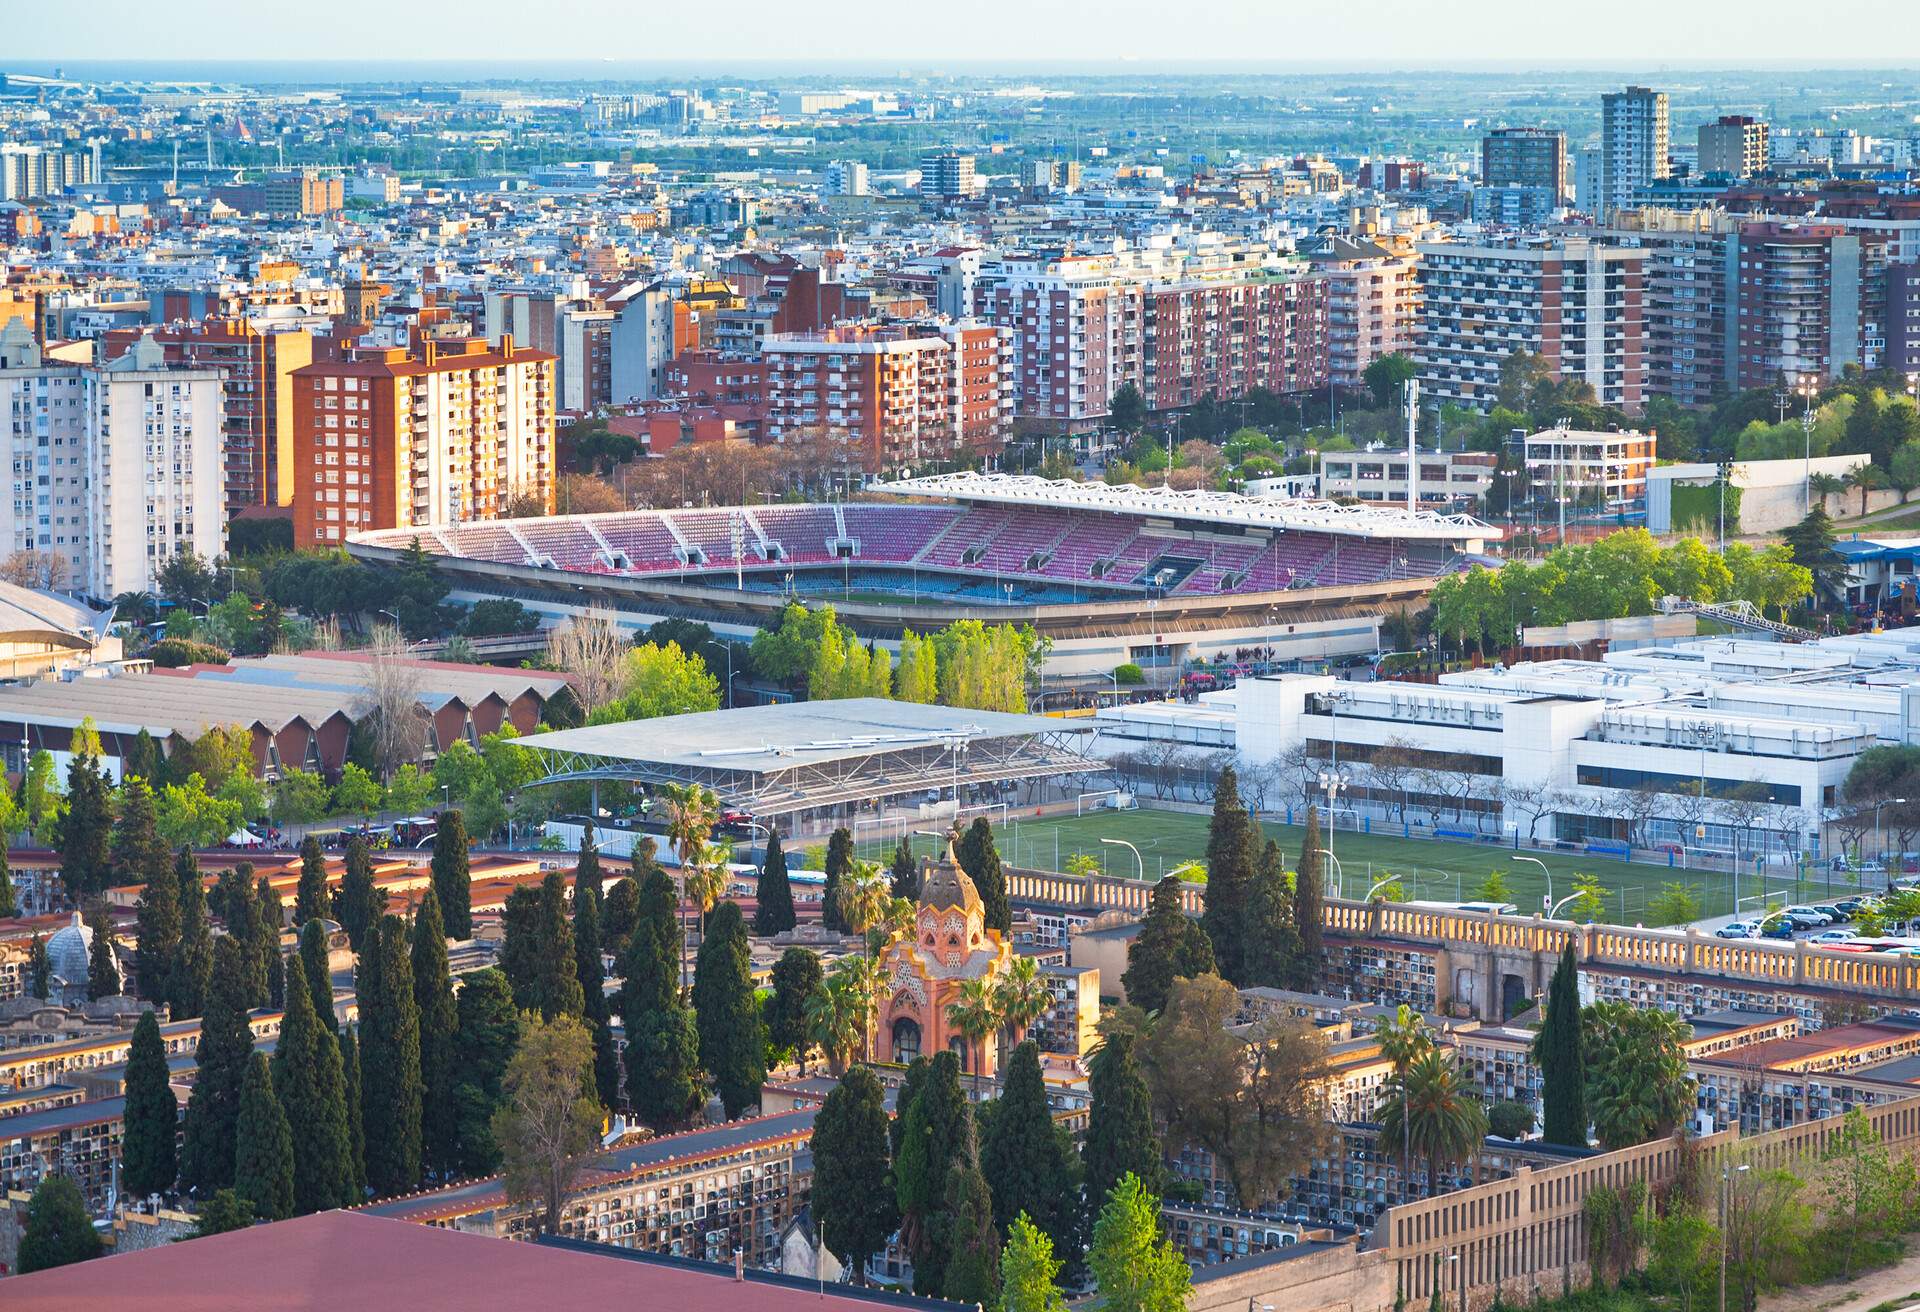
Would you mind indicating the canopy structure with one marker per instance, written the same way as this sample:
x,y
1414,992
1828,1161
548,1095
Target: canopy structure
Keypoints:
x,y
775,760
1201,506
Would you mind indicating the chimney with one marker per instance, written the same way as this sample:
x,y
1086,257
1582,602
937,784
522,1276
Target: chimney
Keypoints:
x,y
739,1265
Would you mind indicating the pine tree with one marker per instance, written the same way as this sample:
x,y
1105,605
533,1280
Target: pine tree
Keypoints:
x,y
663,1047
557,986
795,976
360,903
973,1243
981,860
733,1042
839,865
356,1135
1271,946
241,913
1169,946
904,874
617,916
157,929
312,1091
1120,1135
148,1162
318,974
1558,1052
86,862
39,968
520,946
1029,1164
773,896
853,1202
263,1146
390,1087
103,970
433,998
1309,907
590,966
9,899
272,920
191,971
226,1042
58,1232
489,1031
451,878
311,900
1231,854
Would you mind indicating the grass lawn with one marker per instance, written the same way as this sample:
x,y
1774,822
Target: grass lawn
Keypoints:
x,y
1430,869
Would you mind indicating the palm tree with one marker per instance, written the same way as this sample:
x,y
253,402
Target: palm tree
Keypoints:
x,y
692,811
1822,486
1021,997
138,608
833,1019
1434,1111
1866,478
975,1018
1404,1039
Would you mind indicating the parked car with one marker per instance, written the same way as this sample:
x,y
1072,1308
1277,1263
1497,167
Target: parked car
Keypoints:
x,y
1829,937
1813,916
1778,927
1839,913
1735,929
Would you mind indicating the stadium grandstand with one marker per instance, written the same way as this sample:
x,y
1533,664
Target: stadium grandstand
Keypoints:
x,y
1216,571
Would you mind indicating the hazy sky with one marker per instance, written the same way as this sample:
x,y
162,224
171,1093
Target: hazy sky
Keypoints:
x,y
1648,34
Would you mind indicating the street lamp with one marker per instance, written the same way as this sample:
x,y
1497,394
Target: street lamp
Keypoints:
x,y
1139,865
1339,876
727,647
1546,899
1555,909
1880,838
1333,781
1390,879
1726,1176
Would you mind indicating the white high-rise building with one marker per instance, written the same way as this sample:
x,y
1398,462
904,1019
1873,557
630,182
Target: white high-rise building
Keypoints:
x,y
847,177
1633,143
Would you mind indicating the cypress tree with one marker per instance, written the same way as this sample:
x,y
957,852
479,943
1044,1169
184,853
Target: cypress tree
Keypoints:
x,y
263,1146
139,853
622,908
1169,946
591,969
356,1136
148,1161
312,1091
557,987
937,1139
86,861
733,1041
390,1088
904,873
488,1033
973,1244
663,1047
1028,1163
853,1200
58,1231
1309,907
981,860
520,947
9,899
191,971
433,997
1120,1135
1558,1051
773,896
317,974
226,1042
103,970
795,976
272,920
1231,854
839,865
1270,944
142,760
451,879
157,930
39,968
311,900
360,903
242,915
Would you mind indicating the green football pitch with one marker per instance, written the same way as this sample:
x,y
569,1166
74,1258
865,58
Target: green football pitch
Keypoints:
x,y
1428,869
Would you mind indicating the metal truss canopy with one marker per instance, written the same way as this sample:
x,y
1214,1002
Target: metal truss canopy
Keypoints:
x,y
1200,506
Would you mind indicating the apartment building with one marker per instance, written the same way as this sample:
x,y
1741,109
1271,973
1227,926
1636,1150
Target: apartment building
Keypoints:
x,y
1810,299
946,175
1634,144
437,434
1225,339
301,194
1734,146
846,177
1372,296
583,344
1689,297
1575,301
1523,175
30,172
1903,318
904,392
1585,466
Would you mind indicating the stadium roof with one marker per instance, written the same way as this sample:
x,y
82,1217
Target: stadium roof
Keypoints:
x,y
772,760
1206,506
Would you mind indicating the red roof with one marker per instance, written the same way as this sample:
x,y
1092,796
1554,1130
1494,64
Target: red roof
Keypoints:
x,y
350,1262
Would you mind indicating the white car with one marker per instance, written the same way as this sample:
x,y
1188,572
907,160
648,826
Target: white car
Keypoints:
x,y
1833,936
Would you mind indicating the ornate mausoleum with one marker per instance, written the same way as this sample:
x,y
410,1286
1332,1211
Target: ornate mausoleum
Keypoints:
x,y
950,944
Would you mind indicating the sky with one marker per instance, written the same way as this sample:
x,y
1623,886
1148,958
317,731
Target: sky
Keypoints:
x,y
920,35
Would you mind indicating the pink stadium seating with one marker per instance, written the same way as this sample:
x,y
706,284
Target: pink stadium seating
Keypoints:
x,y
896,534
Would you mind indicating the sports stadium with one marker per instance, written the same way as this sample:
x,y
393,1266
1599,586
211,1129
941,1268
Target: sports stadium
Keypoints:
x,y
1110,574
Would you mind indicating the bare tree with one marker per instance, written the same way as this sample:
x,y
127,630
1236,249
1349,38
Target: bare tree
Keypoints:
x,y
1428,790
1639,805
392,703
1743,809
594,652
1297,771
35,569
1261,786
1391,771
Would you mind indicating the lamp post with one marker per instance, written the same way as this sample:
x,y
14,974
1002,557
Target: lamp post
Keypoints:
x,y
1380,884
1726,1176
1546,899
1339,875
1333,781
1555,909
727,647
1139,864
1879,836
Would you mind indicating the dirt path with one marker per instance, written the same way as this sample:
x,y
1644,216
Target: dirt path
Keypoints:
x,y
1899,1283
